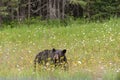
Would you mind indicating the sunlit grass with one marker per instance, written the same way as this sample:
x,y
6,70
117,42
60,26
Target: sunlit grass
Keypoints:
x,y
93,50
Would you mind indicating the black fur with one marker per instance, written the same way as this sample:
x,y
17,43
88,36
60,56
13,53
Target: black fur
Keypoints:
x,y
56,56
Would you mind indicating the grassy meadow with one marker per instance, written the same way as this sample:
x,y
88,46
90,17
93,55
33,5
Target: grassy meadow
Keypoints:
x,y
93,50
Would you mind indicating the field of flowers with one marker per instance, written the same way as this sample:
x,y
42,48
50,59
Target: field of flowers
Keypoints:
x,y
93,51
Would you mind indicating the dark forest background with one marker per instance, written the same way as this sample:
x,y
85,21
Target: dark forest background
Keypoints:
x,y
20,10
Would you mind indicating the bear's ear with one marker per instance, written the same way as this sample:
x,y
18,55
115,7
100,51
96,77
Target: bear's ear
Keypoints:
x,y
53,50
64,51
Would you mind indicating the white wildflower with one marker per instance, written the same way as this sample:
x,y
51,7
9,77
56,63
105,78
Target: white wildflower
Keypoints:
x,y
79,62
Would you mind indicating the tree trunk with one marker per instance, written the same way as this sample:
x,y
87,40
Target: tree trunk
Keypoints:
x,y
39,7
63,4
22,10
29,6
0,13
58,9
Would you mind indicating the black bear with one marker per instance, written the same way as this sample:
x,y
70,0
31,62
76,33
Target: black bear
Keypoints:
x,y
56,56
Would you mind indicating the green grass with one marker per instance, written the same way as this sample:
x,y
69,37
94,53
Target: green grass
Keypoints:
x,y
93,50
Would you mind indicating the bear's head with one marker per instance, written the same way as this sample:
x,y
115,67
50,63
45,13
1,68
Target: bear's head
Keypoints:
x,y
59,55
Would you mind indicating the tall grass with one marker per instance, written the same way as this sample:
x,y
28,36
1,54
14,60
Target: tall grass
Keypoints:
x,y
93,50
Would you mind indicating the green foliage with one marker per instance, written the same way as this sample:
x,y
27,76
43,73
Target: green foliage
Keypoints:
x,y
92,9
3,11
99,9
81,2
